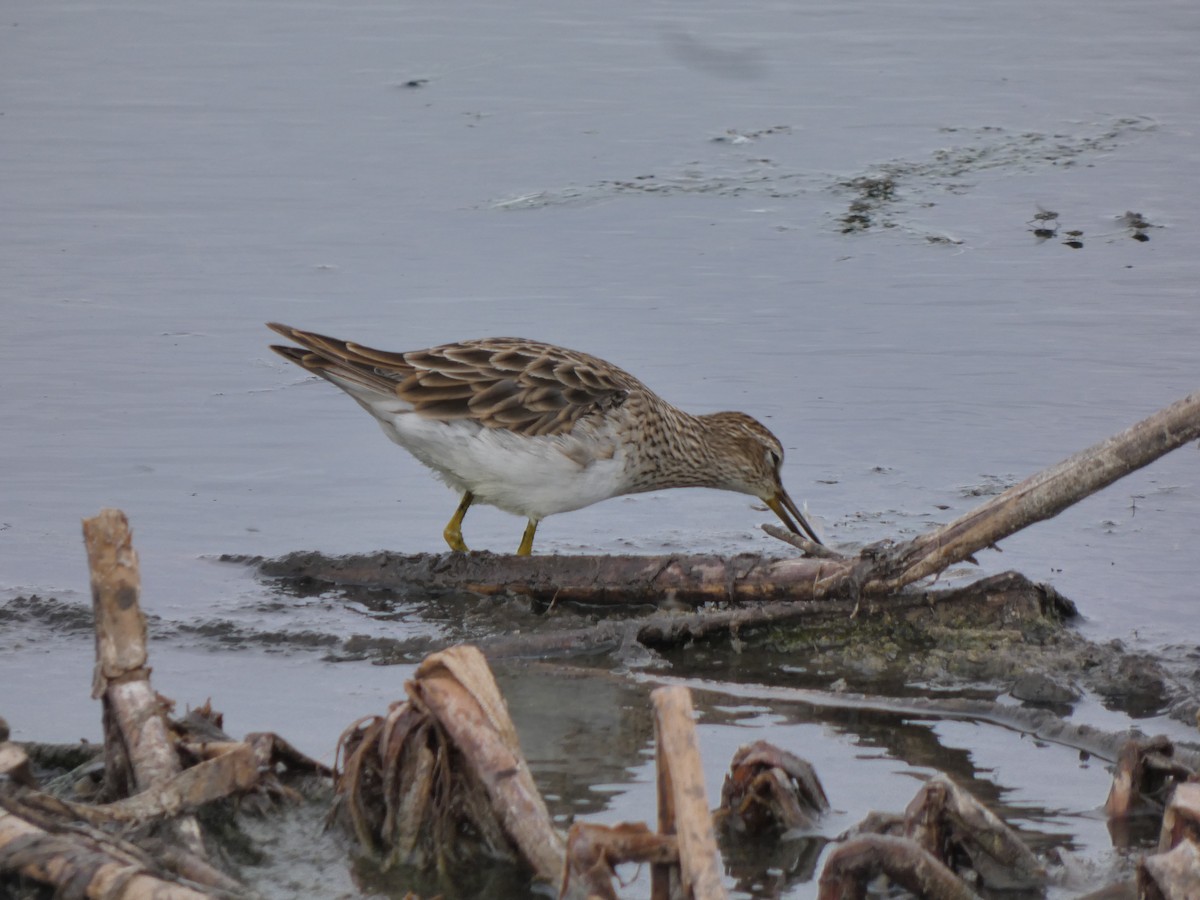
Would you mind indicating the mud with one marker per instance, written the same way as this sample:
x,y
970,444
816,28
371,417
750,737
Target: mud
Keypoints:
x,y
1001,636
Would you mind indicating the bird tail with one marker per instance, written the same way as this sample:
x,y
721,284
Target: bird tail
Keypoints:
x,y
353,368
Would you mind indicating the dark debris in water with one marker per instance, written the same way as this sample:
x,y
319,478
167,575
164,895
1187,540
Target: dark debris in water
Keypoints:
x,y
990,486
880,198
734,136
229,633
1045,225
1137,224
61,616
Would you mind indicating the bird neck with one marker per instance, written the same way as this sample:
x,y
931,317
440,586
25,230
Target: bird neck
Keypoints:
x,y
686,453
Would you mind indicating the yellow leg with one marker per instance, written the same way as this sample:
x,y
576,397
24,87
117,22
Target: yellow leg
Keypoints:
x,y
526,548
453,531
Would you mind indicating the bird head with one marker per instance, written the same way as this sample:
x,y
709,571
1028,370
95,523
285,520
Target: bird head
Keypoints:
x,y
749,459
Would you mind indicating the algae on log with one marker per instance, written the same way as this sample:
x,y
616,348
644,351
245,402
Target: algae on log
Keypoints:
x,y
879,570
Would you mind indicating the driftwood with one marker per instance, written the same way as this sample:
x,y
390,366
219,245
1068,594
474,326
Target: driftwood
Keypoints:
x,y
594,852
768,791
94,864
1174,872
944,834
443,764
948,822
852,867
1174,875
440,780
993,602
1181,820
458,688
64,844
74,847
455,710
684,861
139,753
878,570
1147,771
683,802
14,761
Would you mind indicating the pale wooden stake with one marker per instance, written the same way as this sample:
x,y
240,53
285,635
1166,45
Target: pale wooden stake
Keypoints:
x,y
135,726
681,780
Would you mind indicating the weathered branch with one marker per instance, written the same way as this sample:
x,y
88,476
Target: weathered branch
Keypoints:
x,y
682,800
48,847
442,777
1042,496
855,864
458,687
135,727
592,581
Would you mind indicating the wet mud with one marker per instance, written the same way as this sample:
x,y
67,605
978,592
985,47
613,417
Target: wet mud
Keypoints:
x,y
1017,639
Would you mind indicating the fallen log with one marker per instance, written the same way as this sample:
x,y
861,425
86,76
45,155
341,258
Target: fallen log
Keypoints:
x,y
879,570
1005,600
589,581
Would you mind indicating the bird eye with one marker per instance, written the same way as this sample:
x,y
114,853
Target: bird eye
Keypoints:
x,y
773,460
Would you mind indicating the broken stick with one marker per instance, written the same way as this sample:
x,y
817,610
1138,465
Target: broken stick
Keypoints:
x,y
1041,496
91,868
135,728
682,799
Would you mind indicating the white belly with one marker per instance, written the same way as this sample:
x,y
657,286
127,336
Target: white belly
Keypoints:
x,y
530,476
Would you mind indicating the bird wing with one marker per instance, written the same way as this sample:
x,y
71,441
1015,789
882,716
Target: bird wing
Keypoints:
x,y
523,386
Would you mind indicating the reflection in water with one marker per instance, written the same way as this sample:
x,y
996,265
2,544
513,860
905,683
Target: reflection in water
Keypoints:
x,y
499,881
581,732
589,740
771,869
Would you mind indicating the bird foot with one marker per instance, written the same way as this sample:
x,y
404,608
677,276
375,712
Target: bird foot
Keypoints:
x,y
455,540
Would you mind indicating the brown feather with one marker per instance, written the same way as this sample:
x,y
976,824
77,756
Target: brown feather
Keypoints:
x,y
524,386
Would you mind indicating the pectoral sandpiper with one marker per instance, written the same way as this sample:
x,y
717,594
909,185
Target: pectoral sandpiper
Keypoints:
x,y
536,429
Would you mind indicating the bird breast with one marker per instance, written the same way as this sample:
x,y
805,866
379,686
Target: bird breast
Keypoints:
x,y
529,476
